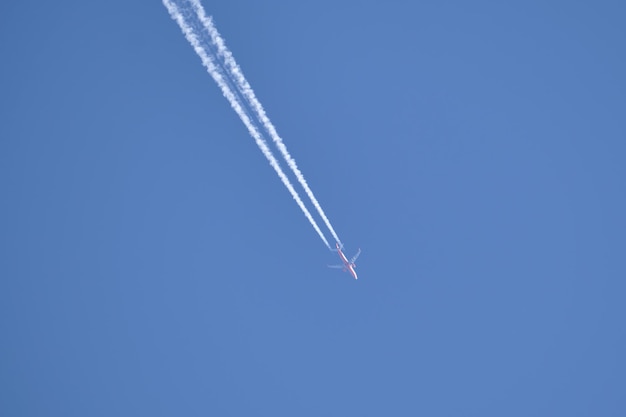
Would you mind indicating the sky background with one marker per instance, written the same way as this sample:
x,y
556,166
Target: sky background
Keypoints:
x,y
151,262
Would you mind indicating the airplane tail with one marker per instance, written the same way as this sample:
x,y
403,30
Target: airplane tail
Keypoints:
x,y
338,247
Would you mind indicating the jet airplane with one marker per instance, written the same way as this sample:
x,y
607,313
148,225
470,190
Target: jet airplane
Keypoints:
x,y
348,265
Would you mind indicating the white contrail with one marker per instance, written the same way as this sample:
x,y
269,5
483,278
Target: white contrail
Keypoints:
x,y
207,61
248,93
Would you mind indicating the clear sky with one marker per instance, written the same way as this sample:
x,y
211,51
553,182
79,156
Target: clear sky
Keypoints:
x,y
151,262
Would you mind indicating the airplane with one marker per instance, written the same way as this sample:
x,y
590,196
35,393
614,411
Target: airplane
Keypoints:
x,y
348,265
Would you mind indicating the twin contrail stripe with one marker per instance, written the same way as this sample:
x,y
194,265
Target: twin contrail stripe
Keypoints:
x,y
182,18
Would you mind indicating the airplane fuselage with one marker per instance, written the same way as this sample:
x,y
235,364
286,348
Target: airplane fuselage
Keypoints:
x,y
349,266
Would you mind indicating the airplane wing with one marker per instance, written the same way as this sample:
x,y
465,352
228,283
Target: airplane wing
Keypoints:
x,y
336,266
355,256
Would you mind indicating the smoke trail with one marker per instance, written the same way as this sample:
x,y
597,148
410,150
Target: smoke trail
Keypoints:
x,y
247,92
208,63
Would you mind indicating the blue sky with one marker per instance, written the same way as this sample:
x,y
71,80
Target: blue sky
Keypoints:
x,y
153,264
